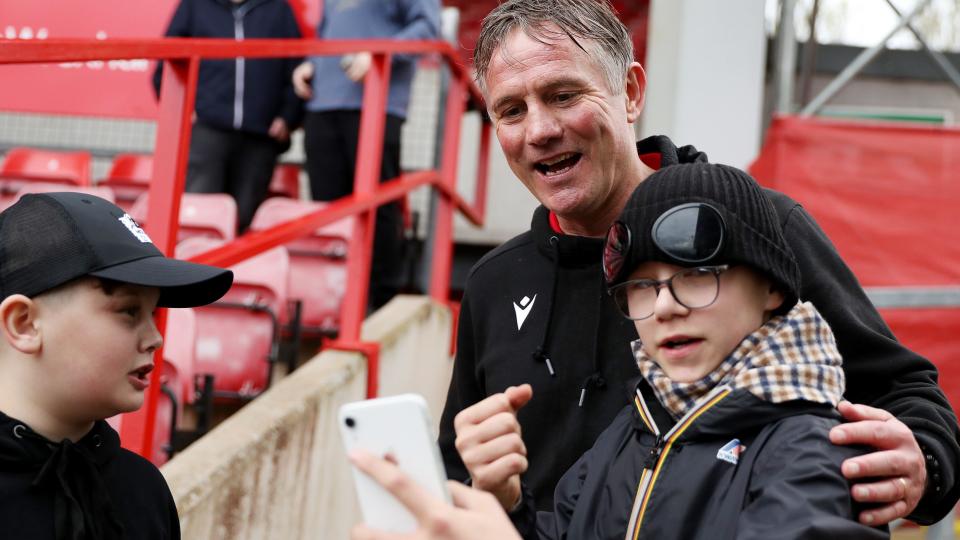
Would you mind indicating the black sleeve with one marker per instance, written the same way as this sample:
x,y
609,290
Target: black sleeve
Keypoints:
x,y
465,390
533,525
179,27
174,519
291,109
880,371
554,524
797,491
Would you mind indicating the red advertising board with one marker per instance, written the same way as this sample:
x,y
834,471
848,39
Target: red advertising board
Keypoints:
x,y
119,88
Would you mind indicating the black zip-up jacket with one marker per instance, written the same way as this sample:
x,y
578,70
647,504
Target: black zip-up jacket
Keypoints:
x,y
240,94
553,284
91,489
734,466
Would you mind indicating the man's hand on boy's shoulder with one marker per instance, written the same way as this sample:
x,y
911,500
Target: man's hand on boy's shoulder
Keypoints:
x,y
896,466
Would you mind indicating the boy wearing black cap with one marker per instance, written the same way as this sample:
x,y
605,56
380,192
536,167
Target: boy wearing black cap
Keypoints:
x,y
749,378
79,282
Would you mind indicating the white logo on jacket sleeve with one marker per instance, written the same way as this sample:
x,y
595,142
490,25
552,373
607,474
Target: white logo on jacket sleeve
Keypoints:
x,y
132,226
731,451
523,309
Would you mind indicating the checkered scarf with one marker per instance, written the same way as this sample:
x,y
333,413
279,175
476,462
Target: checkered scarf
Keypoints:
x,y
791,357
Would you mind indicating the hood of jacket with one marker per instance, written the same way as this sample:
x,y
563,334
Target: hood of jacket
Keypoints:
x,y
82,505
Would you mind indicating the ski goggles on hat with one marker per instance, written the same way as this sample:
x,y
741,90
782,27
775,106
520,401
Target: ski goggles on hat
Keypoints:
x,y
691,233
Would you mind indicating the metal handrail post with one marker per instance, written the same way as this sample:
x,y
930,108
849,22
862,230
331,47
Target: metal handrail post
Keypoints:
x,y
786,48
443,225
177,94
449,32
483,170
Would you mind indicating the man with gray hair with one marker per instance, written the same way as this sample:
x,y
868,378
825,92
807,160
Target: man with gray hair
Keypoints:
x,y
564,94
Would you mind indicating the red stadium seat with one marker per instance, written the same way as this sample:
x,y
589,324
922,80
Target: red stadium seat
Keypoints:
x,y
318,272
129,178
238,336
208,215
285,181
179,348
28,164
23,165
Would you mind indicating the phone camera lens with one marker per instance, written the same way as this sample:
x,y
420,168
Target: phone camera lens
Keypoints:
x,y
350,422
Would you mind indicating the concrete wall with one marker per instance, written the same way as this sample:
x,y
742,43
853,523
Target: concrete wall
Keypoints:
x,y
705,67
276,470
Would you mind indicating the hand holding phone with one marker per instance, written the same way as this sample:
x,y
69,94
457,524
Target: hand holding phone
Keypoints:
x,y
399,429
473,515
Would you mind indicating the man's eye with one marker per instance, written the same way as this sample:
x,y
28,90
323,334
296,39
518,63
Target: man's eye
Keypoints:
x,y
564,97
511,112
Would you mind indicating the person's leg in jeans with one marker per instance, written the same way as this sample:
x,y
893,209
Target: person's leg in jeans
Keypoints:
x,y
207,164
331,140
330,160
387,265
249,174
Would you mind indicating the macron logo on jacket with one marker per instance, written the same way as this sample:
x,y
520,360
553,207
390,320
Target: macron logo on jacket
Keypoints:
x,y
523,309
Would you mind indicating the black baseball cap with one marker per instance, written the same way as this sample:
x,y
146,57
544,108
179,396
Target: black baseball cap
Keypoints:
x,y
49,239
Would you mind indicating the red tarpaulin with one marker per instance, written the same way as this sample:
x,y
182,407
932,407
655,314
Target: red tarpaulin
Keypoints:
x,y
887,195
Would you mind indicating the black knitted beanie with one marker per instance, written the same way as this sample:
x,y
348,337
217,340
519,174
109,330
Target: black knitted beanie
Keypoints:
x,y
752,234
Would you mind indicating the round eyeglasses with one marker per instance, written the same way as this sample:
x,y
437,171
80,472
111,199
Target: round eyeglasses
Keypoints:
x,y
692,288
690,233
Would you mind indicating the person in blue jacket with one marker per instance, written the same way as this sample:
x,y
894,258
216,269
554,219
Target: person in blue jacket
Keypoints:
x,y
333,89
245,108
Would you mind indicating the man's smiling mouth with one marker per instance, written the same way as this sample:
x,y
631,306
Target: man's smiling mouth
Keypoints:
x,y
558,164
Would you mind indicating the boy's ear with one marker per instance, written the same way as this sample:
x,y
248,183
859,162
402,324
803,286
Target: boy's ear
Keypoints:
x,y
775,298
18,317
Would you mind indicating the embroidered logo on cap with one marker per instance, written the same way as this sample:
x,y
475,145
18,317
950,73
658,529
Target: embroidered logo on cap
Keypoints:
x,y
135,229
731,451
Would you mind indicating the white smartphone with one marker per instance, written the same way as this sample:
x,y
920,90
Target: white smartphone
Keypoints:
x,y
398,426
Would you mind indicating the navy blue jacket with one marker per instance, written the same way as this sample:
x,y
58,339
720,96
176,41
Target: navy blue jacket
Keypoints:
x,y
241,94
734,467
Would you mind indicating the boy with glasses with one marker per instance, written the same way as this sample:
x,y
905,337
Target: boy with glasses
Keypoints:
x,y
749,378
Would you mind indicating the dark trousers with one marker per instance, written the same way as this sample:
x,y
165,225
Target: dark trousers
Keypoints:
x,y
234,162
330,141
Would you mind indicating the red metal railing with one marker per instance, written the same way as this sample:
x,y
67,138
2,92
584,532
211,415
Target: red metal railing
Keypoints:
x,y
182,57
